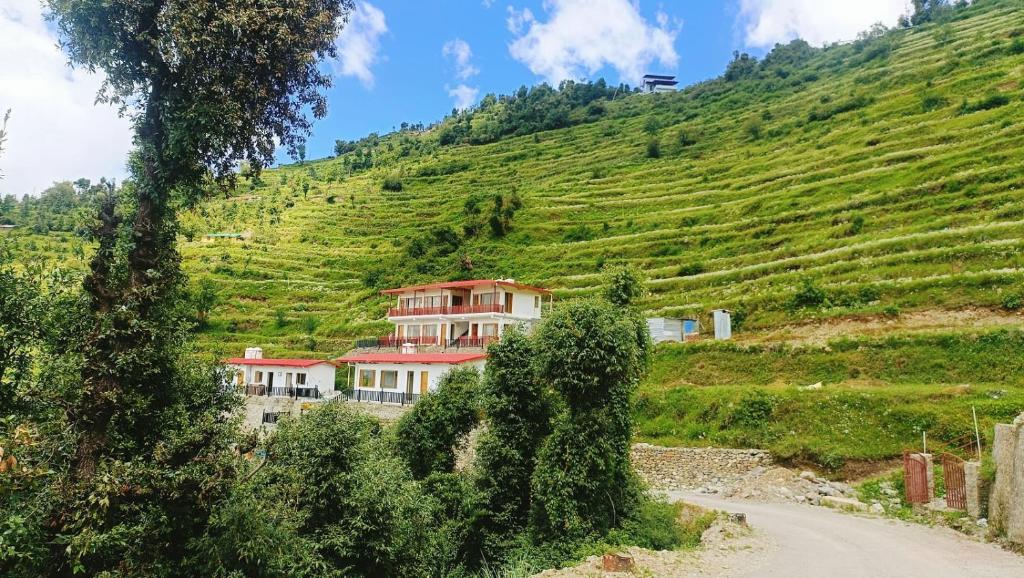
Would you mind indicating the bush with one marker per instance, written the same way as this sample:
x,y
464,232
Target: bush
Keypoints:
x,y
578,233
808,296
429,433
653,148
1013,301
989,102
393,184
753,128
690,269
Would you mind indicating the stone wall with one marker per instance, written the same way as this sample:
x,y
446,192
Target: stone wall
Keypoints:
x,y
692,468
1006,503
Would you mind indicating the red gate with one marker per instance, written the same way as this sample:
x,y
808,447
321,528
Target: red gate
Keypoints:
x,y
956,482
915,478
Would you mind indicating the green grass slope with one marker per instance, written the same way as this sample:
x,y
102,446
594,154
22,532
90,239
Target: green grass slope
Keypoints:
x,y
888,181
876,178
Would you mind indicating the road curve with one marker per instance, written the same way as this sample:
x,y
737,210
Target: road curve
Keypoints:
x,y
815,541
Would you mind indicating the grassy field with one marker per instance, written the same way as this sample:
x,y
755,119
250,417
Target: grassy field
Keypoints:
x,y
881,178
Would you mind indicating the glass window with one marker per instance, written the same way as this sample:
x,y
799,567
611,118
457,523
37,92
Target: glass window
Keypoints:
x,y
367,378
412,330
483,299
536,302
389,379
300,379
489,329
258,378
429,331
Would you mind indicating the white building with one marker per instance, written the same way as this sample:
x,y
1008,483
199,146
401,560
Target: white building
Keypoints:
x,y
299,378
658,83
437,327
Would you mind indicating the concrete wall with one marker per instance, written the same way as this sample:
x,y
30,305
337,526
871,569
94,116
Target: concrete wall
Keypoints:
x,y
1006,503
435,371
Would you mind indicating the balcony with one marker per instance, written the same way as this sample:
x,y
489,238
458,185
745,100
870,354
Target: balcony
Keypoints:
x,y
466,341
295,391
445,310
394,341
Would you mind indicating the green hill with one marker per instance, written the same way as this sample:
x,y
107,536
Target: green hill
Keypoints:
x,y
879,179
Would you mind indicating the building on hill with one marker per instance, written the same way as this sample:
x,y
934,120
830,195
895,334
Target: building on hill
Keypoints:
x,y
437,327
296,378
658,83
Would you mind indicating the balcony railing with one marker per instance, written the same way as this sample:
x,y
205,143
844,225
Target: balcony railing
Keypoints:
x,y
446,310
393,342
289,391
466,341
383,396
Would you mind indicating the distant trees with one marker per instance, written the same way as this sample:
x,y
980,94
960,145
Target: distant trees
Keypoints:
x,y
527,111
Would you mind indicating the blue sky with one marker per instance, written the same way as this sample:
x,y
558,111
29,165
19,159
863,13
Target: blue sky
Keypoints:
x,y
414,60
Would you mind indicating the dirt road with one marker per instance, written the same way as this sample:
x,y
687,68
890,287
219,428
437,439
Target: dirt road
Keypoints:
x,y
799,540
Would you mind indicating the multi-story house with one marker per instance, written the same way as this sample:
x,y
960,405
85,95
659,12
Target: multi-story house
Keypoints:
x,y
437,327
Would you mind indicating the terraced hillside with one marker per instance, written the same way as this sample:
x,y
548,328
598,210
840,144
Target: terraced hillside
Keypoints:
x,y
876,182
881,180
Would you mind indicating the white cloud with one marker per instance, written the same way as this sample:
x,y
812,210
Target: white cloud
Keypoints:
x,y
766,22
56,130
465,96
459,51
359,43
518,19
582,36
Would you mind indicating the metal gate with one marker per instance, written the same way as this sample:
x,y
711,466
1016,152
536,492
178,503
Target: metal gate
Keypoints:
x,y
956,482
915,478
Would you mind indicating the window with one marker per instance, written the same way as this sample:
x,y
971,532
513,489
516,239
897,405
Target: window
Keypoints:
x,y
258,378
489,329
367,378
300,379
388,379
429,331
483,299
536,302
412,330
434,301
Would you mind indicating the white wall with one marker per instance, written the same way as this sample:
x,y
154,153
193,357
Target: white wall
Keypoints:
x,y
435,372
522,305
320,376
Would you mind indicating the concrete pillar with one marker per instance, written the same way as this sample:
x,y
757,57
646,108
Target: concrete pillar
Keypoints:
x,y
930,473
972,473
1002,490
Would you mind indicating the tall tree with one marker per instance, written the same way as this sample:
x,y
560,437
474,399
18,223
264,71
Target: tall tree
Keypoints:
x,y
207,84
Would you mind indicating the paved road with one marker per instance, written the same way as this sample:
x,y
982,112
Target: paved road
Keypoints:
x,y
813,541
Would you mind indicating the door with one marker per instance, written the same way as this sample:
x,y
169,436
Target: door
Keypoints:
x,y
443,339
424,381
270,382
410,377
508,303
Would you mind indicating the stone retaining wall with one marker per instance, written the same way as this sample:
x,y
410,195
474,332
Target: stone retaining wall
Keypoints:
x,y
1006,503
691,468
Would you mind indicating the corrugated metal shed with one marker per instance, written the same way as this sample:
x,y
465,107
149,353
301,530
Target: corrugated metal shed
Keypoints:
x,y
664,329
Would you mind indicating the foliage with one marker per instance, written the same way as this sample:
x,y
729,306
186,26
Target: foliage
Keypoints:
x,y
592,354
331,467
518,411
429,433
392,183
653,148
808,296
625,286
204,298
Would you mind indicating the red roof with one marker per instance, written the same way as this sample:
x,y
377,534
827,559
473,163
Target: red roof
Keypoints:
x,y
466,285
453,358
277,362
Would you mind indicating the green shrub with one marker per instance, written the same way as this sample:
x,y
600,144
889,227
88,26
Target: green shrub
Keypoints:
x,y
1013,301
808,296
989,102
654,148
690,269
429,433
578,233
392,183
